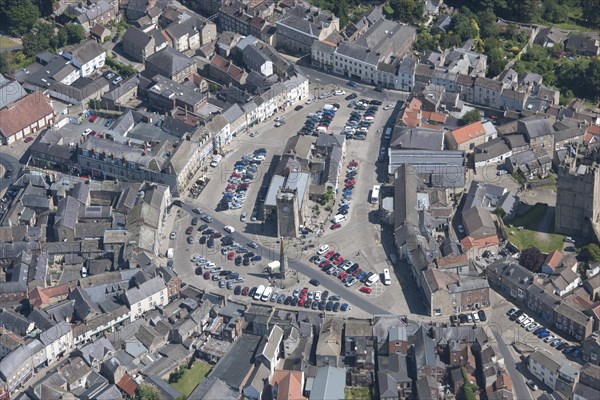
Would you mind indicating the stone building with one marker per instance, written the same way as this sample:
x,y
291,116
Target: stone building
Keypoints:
x,y
578,202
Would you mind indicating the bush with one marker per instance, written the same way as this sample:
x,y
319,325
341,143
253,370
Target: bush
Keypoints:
x,y
532,259
591,252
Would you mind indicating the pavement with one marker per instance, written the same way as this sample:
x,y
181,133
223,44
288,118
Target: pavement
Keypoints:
x,y
361,227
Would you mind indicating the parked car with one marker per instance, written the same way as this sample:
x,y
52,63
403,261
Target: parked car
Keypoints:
x,y
314,282
365,289
532,385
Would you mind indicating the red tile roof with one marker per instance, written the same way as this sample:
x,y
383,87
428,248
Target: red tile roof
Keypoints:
x,y
435,117
553,259
593,129
488,241
289,385
219,62
128,385
40,296
468,132
24,112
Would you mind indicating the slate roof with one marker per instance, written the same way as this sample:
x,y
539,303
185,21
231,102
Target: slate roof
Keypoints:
x,y
169,60
235,365
88,51
145,290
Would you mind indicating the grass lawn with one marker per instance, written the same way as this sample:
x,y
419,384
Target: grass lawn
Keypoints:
x,y
359,393
532,235
191,378
6,42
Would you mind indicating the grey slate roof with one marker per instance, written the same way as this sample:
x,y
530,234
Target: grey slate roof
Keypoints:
x,y
234,366
55,333
169,60
145,290
329,384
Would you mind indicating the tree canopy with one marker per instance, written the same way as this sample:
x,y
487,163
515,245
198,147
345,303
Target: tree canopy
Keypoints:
x,y
532,259
20,15
471,116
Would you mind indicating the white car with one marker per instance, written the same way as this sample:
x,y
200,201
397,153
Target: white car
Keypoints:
x,y
526,322
310,100
229,229
323,249
317,295
339,93
173,235
388,107
87,132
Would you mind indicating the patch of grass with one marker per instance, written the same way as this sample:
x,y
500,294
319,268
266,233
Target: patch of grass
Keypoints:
x,y
6,42
359,393
191,378
531,234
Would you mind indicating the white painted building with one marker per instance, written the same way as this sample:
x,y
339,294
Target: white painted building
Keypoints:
x,y
146,297
57,340
88,57
541,365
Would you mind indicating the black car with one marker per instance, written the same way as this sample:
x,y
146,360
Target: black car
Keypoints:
x,y
329,306
202,240
336,306
313,259
375,102
238,260
298,107
233,275
294,301
367,276
237,290
378,89
454,319
515,315
308,303
351,96
315,305
334,256
482,315
288,300
210,243
462,318
8,174
199,271
170,263
195,221
225,273
208,231
343,211
334,298
249,255
252,291
190,239
246,262
562,346
202,227
314,282
322,305
325,295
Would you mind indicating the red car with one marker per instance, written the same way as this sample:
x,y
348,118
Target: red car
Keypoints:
x,y
231,187
338,260
324,264
189,230
329,254
206,275
350,182
353,164
365,289
28,139
301,302
93,118
231,255
335,226
245,291
342,275
236,175
357,271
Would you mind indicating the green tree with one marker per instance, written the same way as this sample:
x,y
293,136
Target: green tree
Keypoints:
x,y
471,116
147,392
5,62
499,211
496,62
75,33
21,15
554,12
94,104
592,12
591,252
328,195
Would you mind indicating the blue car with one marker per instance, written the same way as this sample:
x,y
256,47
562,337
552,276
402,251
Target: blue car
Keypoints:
x,y
538,330
344,307
346,207
361,275
256,258
576,353
543,334
351,83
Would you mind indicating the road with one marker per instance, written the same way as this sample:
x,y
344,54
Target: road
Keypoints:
x,y
328,282
8,162
519,386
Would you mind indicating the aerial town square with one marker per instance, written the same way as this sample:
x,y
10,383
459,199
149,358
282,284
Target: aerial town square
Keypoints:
x,y
300,199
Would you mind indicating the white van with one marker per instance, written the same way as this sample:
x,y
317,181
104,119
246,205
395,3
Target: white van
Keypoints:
x,y
374,278
338,218
323,249
386,277
216,159
170,253
328,107
267,294
259,292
